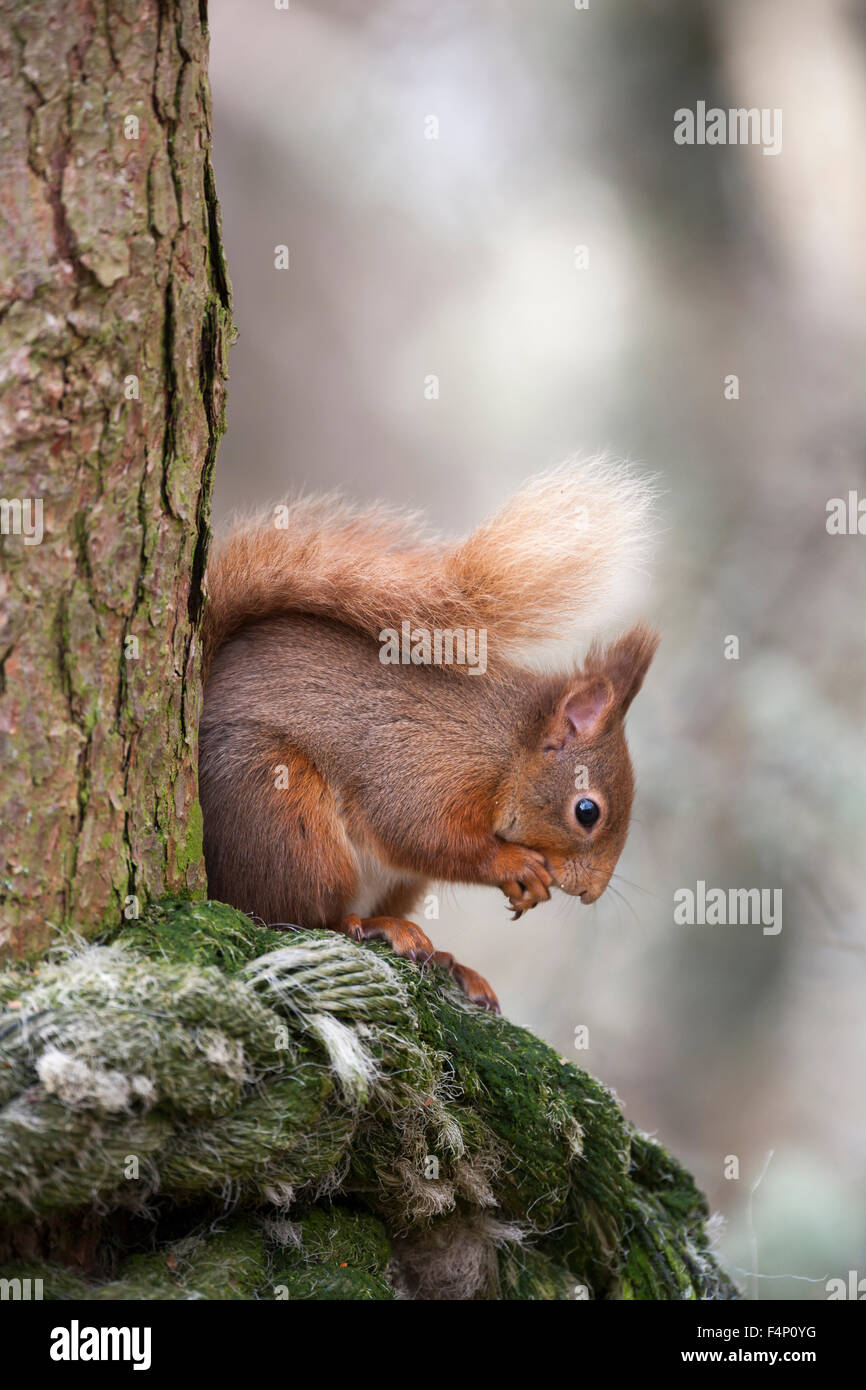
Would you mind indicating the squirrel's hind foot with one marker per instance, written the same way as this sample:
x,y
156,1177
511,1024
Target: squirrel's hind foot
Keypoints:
x,y
473,985
410,941
403,937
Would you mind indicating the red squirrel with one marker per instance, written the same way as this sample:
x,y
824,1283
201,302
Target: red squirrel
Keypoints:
x,y
336,784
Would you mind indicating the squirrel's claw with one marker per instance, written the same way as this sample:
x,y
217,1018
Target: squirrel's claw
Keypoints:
x,y
473,985
526,879
527,891
403,937
409,940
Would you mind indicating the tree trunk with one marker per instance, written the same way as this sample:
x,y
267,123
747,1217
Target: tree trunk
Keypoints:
x,y
115,310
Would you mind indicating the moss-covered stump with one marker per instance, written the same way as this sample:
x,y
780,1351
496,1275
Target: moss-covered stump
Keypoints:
x,y
292,1116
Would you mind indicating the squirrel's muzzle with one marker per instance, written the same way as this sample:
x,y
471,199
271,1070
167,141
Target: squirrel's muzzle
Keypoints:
x,y
580,878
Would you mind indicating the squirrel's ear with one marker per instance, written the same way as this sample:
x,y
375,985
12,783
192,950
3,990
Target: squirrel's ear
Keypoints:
x,y
582,711
625,663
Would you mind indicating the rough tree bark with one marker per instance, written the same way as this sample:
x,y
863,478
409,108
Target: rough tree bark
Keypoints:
x,y
115,324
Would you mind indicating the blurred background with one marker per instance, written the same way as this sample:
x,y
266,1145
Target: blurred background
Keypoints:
x,y
455,257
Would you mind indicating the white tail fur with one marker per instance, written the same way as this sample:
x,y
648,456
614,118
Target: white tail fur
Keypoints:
x,y
565,553
557,562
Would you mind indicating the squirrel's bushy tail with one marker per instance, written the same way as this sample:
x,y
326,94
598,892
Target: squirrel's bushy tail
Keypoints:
x,y
557,558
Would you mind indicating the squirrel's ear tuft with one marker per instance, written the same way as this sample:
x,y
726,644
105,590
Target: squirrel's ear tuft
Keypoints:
x,y
582,711
625,663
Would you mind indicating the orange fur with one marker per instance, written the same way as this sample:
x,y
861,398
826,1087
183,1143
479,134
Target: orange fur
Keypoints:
x,y
558,556
397,775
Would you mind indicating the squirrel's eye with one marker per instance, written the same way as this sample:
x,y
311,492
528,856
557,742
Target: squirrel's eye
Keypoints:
x,y
587,812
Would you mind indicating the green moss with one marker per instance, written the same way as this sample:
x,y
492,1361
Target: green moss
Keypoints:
x,y
335,1235
56,1282
340,1254
526,1274
230,1264
324,1283
191,932
225,1058
190,850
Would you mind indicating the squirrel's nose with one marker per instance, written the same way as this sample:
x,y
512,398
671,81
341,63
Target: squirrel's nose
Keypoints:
x,y
593,893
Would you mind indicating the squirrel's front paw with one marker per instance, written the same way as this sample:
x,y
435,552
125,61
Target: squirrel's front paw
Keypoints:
x,y
523,877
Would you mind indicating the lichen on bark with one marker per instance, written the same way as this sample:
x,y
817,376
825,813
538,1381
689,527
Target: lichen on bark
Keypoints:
x,y
115,323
